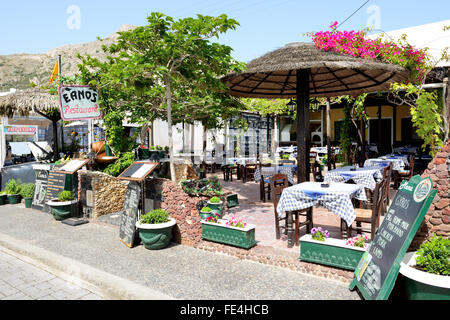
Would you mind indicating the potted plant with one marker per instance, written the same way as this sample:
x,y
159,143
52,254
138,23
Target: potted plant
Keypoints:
x,y
206,212
3,198
233,231
12,189
27,192
427,271
62,206
317,247
155,229
215,204
166,149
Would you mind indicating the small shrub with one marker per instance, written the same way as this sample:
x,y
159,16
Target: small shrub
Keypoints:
x,y
433,255
13,187
27,190
214,200
65,196
206,209
155,217
116,168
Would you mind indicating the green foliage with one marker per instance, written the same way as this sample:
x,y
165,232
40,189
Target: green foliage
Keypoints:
x,y
206,209
116,168
214,200
433,255
27,190
425,111
155,216
13,187
65,196
204,187
285,156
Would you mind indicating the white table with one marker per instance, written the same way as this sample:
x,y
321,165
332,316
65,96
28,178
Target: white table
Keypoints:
x,y
367,176
241,160
267,172
398,164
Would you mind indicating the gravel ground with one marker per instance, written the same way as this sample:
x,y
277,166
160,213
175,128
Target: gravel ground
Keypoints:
x,y
178,271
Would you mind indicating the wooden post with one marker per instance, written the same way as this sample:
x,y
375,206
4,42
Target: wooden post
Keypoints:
x,y
303,125
380,147
394,124
328,132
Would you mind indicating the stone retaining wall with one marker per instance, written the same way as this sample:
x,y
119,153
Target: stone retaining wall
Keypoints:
x,y
108,193
437,219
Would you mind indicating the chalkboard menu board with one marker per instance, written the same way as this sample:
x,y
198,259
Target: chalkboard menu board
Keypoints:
x,y
40,189
378,269
130,213
138,171
55,184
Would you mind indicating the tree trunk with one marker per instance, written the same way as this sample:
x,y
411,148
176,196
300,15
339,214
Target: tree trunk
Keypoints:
x,y
169,123
204,149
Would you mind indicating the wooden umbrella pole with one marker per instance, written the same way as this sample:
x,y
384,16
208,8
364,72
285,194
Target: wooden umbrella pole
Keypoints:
x,y
302,76
328,115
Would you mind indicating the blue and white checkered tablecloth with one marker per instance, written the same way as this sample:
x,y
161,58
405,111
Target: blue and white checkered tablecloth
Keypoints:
x,y
267,172
398,163
241,160
367,176
336,198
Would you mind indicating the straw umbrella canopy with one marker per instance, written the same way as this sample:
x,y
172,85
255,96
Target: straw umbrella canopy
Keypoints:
x,y
300,70
30,100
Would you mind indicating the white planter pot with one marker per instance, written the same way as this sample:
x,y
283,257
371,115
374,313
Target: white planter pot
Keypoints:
x,y
56,203
147,226
156,236
421,285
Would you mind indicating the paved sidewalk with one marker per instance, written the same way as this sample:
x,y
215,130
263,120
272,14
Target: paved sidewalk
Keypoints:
x,y
179,272
20,280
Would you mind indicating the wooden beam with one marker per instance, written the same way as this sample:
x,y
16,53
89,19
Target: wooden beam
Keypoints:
x,y
302,76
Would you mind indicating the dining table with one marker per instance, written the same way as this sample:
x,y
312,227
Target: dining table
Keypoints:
x,y
336,197
398,162
365,176
267,172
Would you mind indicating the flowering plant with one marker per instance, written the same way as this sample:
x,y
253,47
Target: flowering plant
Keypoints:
x,y
212,219
358,241
235,222
355,44
319,234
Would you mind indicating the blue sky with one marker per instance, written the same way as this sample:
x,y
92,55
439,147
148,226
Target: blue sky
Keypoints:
x,y
265,25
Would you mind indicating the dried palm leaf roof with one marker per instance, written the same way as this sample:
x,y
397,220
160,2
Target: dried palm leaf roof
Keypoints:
x,y
332,74
24,102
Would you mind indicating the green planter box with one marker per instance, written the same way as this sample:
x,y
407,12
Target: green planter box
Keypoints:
x,y
421,285
156,236
232,200
238,237
14,198
3,199
331,252
28,202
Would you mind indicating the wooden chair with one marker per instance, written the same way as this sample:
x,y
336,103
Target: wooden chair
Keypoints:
x,y
317,172
278,183
264,184
312,160
248,171
228,171
400,175
370,216
332,159
387,173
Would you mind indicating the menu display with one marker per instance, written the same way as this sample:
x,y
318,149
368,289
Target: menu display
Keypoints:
x,y
138,171
378,269
130,213
55,184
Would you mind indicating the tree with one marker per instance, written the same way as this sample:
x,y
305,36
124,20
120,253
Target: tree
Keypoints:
x,y
168,69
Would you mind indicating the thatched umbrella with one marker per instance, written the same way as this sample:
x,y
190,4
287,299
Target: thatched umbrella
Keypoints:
x,y
30,100
300,70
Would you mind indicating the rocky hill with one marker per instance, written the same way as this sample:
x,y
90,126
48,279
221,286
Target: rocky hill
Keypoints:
x,y
18,70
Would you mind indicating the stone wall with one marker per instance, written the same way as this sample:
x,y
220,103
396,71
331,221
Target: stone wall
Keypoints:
x,y
182,208
437,219
108,193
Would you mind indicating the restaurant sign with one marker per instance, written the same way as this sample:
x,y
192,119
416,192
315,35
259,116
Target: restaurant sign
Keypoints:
x,y
20,130
78,103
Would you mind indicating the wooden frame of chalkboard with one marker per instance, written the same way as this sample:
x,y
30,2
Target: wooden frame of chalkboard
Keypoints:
x,y
82,163
130,214
378,269
146,167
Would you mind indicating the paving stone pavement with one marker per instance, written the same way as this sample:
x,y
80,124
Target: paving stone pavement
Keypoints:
x,y
23,281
